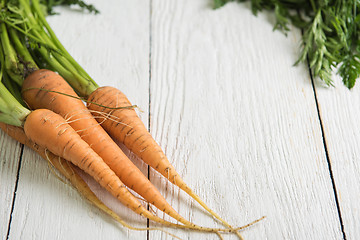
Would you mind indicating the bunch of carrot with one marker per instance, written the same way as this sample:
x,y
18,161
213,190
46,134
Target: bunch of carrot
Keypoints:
x,y
37,70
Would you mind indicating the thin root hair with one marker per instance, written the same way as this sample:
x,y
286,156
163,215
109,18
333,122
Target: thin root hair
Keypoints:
x,y
109,116
250,224
52,167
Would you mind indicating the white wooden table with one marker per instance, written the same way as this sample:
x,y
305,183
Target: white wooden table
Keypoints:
x,y
252,134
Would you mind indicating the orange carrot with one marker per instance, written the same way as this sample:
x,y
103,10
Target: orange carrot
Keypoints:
x,y
125,126
79,118
50,131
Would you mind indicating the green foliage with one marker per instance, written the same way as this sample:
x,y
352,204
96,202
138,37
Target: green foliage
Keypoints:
x,y
50,4
31,43
330,33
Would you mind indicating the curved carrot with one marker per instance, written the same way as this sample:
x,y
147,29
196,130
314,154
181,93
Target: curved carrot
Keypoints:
x,y
125,126
91,132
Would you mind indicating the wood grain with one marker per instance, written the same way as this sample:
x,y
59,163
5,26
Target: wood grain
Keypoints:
x,y
235,118
339,110
239,122
114,53
9,164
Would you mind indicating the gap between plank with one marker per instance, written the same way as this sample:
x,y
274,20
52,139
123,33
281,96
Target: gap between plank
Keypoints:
x,y
149,107
326,151
15,190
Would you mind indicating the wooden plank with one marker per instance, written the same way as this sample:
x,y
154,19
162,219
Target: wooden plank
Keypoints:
x,y
114,48
339,110
238,122
9,164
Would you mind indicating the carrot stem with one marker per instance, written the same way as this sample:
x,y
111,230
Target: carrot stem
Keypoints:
x,y
73,64
59,44
11,111
22,51
11,62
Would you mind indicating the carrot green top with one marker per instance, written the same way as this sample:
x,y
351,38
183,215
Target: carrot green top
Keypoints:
x,y
28,43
